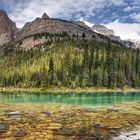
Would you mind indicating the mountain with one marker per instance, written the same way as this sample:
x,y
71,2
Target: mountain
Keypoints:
x,y
136,42
53,52
101,29
45,16
8,29
25,37
28,36
49,25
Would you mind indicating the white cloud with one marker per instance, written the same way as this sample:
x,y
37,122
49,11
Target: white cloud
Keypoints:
x,y
136,17
125,30
127,9
136,2
118,2
27,10
131,8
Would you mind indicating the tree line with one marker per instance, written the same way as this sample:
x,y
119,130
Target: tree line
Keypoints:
x,y
71,63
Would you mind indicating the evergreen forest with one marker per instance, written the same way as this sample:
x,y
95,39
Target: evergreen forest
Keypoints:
x,y
71,62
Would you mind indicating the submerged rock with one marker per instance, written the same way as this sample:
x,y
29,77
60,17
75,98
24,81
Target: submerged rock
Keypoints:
x,y
15,119
68,122
54,126
114,132
20,133
14,113
112,110
46,113
90,110
8,110
4,127
66,132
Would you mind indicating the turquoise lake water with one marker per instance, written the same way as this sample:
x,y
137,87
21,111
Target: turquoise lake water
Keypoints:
x,y
86,99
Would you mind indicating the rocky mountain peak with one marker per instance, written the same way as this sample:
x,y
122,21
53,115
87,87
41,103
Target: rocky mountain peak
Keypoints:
x,y
8,29
2,13
102,30
45,16
3,16
136,42
82,23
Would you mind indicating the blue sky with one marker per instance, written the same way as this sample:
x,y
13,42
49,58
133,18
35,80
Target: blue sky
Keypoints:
x,y
123,16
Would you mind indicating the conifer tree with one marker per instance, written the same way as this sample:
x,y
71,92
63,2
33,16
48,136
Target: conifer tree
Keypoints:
x,y
51,71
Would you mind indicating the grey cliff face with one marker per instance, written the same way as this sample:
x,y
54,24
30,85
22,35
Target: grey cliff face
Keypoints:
x,y
101,29
46,24
81,23
136,42
8,29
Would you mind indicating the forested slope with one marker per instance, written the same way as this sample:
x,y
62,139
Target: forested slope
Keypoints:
x,y
71,62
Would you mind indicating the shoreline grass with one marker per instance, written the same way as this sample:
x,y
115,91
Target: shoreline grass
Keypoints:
x,y
66,90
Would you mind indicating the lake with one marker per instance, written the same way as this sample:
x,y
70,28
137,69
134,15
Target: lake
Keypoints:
x,y
84,99
69,116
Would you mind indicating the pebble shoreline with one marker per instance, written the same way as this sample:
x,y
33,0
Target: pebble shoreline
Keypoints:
x,y
131,135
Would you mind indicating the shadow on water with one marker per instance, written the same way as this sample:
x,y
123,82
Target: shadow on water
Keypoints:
x,y
88,99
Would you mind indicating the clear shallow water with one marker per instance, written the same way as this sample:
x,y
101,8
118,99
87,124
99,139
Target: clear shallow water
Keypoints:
x,y
85,99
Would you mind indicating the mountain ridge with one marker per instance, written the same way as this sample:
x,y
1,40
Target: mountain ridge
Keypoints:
x,y
102,29
56,26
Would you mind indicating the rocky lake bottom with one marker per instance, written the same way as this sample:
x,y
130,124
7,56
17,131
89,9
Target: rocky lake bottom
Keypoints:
x,y
27,121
